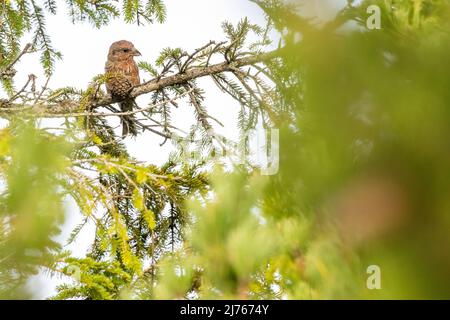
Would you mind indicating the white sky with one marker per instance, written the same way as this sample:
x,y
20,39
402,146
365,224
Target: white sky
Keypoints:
x,y
189,25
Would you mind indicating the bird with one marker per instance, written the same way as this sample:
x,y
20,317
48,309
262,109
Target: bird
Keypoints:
x,y
122,76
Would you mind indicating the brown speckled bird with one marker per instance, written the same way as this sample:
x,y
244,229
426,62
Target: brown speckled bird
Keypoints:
x,y
123,76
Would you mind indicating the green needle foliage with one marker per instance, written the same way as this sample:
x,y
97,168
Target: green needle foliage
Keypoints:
x,y
28,16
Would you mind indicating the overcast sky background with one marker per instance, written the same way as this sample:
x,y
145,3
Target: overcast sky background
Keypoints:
x,y
189,25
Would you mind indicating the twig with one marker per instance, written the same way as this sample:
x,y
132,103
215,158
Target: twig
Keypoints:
x,y
42,91
31,77
191,56
96,114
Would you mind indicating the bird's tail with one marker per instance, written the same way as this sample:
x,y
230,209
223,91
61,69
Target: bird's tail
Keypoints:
x,y
128,121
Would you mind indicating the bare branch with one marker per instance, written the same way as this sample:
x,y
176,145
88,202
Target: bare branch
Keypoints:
x,y
95,114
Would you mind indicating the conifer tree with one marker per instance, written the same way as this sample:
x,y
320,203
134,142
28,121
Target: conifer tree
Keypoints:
x,y
139,210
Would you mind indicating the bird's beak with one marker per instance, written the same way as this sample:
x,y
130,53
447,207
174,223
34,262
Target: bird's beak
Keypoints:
x,y
136,52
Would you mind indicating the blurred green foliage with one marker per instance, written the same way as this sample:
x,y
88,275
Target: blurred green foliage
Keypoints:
x,y
370,160
31,205
364,166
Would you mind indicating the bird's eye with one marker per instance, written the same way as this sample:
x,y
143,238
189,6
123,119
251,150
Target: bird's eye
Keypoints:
x,y
126,50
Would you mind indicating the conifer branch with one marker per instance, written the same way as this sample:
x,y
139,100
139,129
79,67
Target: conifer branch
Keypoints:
x,y
24,51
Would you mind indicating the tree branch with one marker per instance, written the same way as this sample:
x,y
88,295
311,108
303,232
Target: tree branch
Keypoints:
x,y
66,107
24,51
195,73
